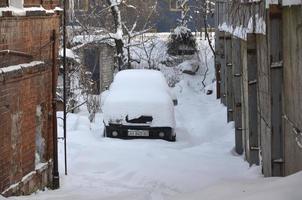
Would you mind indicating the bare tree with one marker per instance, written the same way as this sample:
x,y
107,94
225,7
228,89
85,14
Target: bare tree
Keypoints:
x,y
118,35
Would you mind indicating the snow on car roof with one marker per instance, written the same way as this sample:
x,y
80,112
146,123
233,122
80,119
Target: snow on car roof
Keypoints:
x,y
134,93
139,79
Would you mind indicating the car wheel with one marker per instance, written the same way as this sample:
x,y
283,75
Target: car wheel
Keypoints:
x,y
172,138
104,132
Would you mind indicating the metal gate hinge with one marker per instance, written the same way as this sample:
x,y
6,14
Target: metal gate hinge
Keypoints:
x,y
280,160
277,64
238,105
253,82
255,148
229,64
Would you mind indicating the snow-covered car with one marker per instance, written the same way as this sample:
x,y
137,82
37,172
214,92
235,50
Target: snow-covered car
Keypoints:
x,y
139,104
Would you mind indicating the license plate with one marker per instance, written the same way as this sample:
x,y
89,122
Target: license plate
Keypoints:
x,y
138,133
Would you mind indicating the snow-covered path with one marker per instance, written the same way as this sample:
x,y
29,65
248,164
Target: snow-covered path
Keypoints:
x,y
103,168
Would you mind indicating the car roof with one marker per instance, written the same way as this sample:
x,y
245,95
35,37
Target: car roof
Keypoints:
x,y
139,79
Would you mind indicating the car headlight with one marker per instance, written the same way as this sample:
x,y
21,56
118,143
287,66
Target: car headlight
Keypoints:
x,y
114,133
161,134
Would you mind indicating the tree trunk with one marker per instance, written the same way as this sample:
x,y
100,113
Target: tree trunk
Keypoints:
x,y
119,44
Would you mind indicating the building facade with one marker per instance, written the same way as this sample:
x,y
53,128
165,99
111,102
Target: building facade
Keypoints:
x,y
29,43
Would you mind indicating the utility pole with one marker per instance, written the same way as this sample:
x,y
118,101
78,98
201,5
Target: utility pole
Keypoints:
x,y
55,172
64,85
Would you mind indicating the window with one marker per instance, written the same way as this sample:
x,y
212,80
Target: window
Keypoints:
x,y
175,5
81,5
3,3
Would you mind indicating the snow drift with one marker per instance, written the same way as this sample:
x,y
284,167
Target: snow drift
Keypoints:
x,y
288,188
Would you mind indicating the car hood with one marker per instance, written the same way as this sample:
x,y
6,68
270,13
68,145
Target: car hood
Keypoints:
x,y
119,105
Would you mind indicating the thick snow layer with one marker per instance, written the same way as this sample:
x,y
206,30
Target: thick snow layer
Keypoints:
x,y
242,31
201,161
21,11
284,2
113,169
288,188
69,54
180,30
18,67
291,2
136,93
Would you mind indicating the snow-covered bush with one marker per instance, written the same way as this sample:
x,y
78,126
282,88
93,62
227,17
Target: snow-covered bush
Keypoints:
x,y
181,42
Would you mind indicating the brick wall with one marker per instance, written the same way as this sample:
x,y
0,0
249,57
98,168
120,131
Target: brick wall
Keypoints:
x,y
21,92
106,66
102,55
27,35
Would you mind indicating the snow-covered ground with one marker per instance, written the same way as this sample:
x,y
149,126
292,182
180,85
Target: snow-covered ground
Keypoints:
x,y
104,168
201,164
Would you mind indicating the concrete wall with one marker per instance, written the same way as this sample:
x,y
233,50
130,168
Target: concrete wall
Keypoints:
x,y
106,66
99,59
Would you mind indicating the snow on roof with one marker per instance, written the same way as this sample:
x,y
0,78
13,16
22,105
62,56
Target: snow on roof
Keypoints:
x,y
284,2
20,11
20,66
136,93
69,54
242,31
180,30
92,38
291,2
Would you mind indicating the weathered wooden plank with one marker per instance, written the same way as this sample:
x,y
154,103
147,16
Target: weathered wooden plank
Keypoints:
x,y
229,80
244,100
292,83
220,59
276,82
252,100
237,80
264,104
